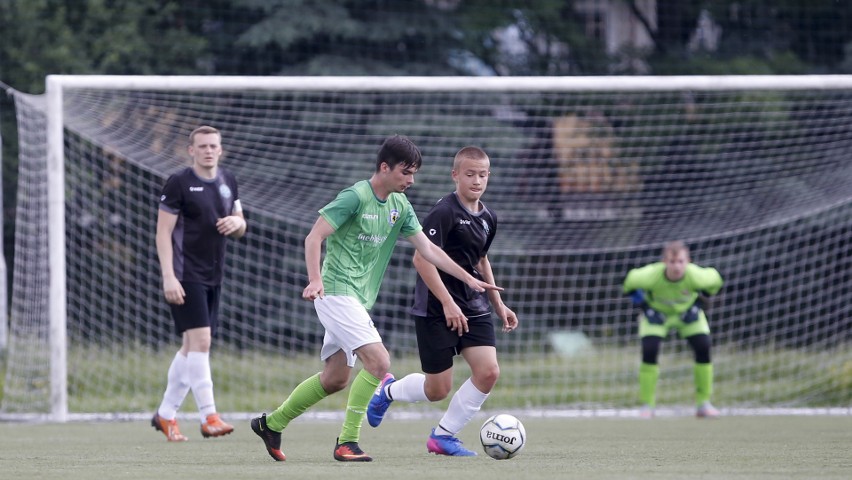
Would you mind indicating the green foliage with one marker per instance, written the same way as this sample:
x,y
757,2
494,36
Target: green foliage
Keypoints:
x,y
543,28
403,37
352,37
814,31
782,64
43,37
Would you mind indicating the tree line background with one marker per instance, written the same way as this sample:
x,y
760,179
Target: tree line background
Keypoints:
x,y
404,37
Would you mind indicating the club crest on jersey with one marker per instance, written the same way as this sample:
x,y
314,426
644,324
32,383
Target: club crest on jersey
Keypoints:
x,y
225,191
393,217
485,226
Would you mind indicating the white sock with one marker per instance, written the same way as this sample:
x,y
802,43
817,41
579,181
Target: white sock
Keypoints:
x,y
176,388
410,388
201,382
463,406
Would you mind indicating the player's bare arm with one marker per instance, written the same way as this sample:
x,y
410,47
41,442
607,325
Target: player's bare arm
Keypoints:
x,y
233,226
510,320
434,255
313,254
172,289
456,321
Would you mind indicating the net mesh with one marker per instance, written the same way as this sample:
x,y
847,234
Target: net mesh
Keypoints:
x,y
585,185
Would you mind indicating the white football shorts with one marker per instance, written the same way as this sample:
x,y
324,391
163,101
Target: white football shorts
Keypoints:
x,y
348,326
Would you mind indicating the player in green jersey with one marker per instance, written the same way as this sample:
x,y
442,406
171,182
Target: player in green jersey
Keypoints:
x,y
670,295
360,227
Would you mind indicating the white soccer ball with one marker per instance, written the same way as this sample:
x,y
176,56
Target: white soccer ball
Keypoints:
x,y
502,436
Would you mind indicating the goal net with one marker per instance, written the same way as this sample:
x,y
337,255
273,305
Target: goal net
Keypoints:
x,y
590,177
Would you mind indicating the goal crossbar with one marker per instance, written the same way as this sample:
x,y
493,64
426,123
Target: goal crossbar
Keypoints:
x,y
454,84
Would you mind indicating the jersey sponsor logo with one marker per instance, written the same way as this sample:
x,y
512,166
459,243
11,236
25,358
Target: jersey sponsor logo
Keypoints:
x,y
462,221
196,189
393,217
225,191
370,216
374,239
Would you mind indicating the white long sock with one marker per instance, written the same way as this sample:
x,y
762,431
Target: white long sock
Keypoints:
x,y
201,382
463,406
409,388
176,388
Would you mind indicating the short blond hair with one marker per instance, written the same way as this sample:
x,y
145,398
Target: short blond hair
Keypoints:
x,y
203,130
473,153
675,246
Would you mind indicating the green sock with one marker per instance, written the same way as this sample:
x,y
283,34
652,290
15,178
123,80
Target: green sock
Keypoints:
x,y
360,393
648,375
703,373
302,398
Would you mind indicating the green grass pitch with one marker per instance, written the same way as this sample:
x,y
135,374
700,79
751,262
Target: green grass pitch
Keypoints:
x,y
750,447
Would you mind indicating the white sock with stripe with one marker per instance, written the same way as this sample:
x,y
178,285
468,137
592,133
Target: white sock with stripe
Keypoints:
x,y
201,382
176,388
410,388
463,406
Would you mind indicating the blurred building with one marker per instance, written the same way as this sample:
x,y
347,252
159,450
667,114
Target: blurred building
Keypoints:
x,y
617,24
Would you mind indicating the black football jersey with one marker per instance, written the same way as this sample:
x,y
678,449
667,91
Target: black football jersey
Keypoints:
x,y
466,237
199,248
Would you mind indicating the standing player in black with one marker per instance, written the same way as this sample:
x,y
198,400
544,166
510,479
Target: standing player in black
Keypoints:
x,y
199,209
450,317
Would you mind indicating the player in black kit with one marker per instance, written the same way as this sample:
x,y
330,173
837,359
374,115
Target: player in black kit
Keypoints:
x,y
450,317
199,209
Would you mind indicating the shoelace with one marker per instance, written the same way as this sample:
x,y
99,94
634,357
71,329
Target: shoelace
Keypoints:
x,y
351,450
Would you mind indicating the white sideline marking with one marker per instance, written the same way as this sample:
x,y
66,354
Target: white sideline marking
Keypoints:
x,y
424,414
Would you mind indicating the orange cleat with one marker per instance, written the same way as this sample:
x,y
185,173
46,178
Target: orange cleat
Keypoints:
x,y
213,426
350,452
168,427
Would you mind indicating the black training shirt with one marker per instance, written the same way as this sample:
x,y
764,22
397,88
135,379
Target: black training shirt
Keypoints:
x,y
465,236
199,249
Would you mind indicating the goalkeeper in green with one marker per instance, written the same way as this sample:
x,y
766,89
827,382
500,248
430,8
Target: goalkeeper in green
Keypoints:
x,y
670,295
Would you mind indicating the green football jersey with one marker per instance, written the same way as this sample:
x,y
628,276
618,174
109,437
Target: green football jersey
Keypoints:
x,y
666,296
365,233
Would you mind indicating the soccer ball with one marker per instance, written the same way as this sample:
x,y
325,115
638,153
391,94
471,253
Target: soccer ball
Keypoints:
x,y
502,436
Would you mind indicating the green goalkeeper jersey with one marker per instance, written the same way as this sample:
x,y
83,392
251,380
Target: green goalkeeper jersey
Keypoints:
x,y
666,296
365,232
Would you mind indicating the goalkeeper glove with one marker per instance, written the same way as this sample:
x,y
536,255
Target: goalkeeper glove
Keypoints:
x,y
692,313
637,297
701,303
654,317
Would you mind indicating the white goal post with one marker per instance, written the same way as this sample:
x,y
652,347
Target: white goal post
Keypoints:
x,y
4,311
592,175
